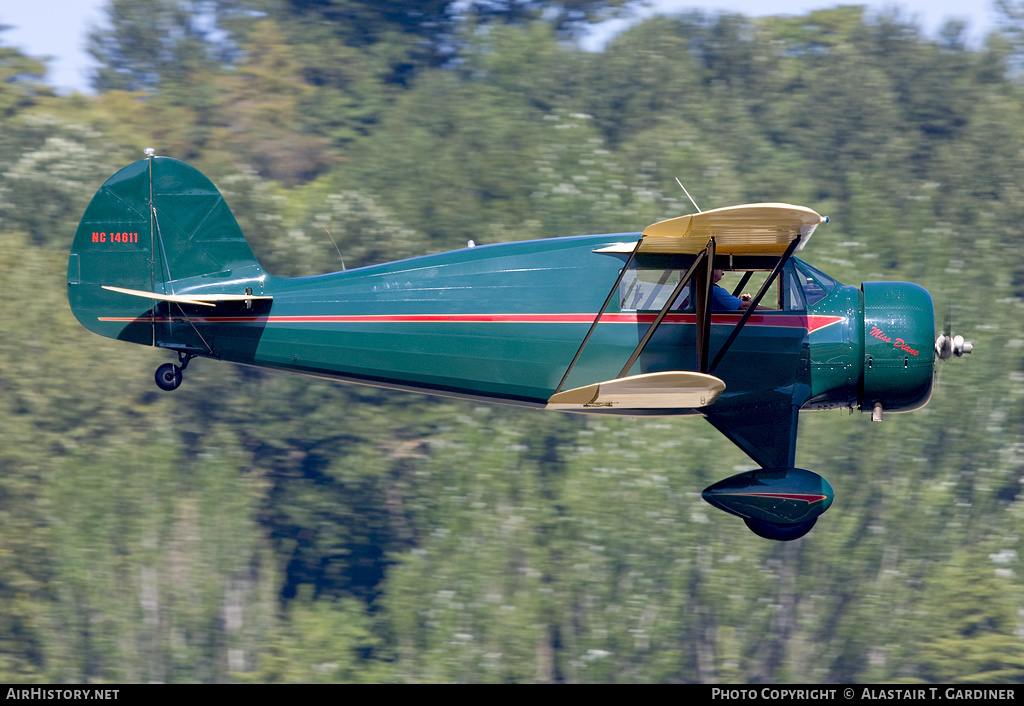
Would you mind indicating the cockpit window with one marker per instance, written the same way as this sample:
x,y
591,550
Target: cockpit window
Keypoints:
x,y
794,291
815,283
647,289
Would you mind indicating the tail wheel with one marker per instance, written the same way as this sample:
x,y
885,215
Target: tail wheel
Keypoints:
x,y
780,533
168,377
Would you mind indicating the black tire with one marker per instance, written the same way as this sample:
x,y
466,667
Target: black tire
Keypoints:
x,y
780,533
168,377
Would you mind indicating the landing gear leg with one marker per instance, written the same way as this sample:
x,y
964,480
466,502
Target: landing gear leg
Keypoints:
x,y
168,375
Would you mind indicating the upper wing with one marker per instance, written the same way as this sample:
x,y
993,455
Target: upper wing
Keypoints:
x,y
751,229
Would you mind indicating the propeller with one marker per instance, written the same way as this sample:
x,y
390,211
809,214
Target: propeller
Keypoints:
x,y
947,345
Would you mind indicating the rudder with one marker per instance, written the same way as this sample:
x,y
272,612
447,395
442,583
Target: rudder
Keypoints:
x,y
158,225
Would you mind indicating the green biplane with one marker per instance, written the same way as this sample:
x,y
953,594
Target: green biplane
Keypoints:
x,y
625,324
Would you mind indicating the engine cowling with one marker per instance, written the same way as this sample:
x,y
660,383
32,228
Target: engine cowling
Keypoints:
x,y
899,355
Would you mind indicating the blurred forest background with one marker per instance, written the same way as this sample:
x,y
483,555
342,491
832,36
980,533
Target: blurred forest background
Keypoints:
x,y
261,527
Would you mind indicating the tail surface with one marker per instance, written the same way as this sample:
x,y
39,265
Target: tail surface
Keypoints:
x,y
156,240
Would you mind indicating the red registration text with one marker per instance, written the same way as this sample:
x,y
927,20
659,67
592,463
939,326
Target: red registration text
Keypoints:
x,y
115,237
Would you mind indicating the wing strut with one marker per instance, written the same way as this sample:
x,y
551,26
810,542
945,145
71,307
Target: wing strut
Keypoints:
x,y
607,301
753,305
743,283
709,250
706,273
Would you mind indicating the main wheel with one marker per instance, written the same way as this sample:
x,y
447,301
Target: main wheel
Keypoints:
x,y
168,377
780,533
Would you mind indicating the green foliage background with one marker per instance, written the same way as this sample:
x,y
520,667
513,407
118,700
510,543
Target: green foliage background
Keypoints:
x,y
254,526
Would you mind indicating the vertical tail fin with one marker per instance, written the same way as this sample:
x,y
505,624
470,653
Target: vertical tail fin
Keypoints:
x,y
160,226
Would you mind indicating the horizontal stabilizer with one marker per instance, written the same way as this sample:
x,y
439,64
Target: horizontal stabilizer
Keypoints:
x,y
200,299
666,390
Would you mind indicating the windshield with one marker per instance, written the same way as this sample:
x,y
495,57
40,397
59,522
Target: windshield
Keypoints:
x,y
815,283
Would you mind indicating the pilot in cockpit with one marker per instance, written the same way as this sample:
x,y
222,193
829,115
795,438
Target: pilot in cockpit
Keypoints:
x,y
721,300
